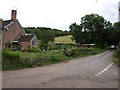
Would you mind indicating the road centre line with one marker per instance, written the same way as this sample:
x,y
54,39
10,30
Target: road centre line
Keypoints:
x,y
104,70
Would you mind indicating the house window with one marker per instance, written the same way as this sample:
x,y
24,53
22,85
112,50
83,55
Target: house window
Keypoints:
x,y
33,43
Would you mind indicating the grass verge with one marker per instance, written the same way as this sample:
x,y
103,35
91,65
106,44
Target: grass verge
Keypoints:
x,y
116,56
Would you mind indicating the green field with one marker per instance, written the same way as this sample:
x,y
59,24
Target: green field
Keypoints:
x,y
64,39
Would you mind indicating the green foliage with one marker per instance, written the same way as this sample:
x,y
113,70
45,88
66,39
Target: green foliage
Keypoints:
x,y
46,37
57,56
61,46
10,55
33,49
76,31
10,59
39,31
116,56
119,50
21,60
82,52
28,60
114,34
93,29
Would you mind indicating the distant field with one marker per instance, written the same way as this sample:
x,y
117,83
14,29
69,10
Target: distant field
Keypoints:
x,y
64,39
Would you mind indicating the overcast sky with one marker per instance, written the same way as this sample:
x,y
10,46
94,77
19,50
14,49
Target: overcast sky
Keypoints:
x,y
57,14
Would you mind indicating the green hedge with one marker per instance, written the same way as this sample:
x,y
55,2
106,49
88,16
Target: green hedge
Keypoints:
x,y
16,60
10,55
12,59
82,52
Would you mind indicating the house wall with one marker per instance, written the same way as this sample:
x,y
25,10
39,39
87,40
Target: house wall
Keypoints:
x,y
11,34
15,30
25,45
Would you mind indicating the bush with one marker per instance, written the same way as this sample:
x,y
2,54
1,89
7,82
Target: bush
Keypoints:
x,y
33,62
10,60
81,52
10,55
61,46
16,60
119,51
33,49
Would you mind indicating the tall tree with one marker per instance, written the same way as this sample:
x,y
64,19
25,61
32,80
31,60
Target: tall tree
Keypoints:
x,y
114,34
76,31
93,29
46,37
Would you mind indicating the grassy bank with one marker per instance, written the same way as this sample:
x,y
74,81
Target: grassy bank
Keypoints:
x,y
13,60
116,56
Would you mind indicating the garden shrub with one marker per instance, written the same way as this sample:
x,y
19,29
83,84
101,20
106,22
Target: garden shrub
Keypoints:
x,y
81,52
15,59
61,46
10,55
53,58
33,49
10,60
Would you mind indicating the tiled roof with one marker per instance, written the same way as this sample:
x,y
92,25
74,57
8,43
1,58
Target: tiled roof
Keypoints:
x,y
6,23
25,38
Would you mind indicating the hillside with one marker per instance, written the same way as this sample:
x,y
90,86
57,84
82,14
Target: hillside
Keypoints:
x,y
64,39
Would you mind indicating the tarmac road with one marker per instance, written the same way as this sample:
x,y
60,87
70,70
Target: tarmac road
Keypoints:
x,y
89,72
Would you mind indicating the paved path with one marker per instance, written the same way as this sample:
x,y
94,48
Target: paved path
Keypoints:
x,y
89,72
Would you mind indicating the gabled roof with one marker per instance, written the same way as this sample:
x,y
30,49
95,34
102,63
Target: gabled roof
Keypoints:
x,y
7,23
25,38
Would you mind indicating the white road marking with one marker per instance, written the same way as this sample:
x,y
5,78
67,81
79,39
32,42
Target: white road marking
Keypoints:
x,y
104,70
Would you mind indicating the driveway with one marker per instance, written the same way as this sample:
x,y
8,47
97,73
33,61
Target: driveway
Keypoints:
x,y
88,72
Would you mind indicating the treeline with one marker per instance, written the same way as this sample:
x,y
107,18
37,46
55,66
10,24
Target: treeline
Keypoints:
x,y
38,31
95,29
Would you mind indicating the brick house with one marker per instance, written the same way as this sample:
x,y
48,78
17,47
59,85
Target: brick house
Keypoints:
x,y
13,36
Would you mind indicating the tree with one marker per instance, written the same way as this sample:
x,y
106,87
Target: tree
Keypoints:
x,y
114,34
93,29
117,29
46,37
76,31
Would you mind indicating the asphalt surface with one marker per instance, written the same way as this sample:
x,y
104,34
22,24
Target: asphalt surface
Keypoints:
x,y
89,72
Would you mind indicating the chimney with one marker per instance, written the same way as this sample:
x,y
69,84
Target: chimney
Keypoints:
x,y
13,15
